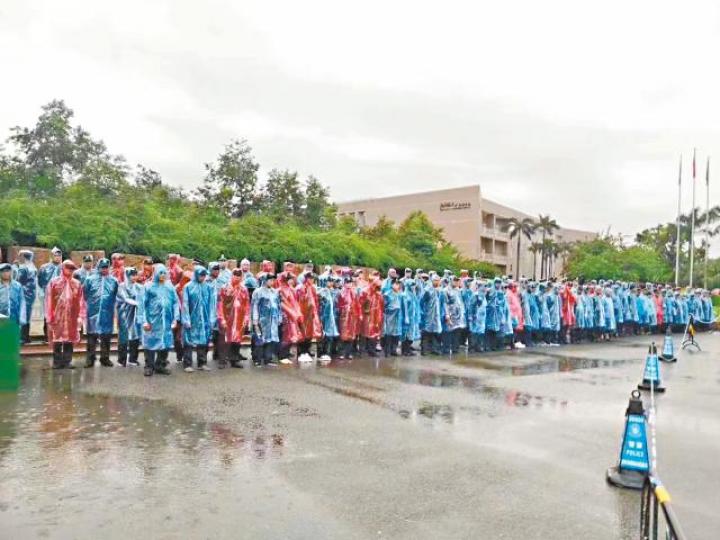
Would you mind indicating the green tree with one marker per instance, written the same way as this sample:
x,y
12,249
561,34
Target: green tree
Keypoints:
x,y
231,181
517,227
282,196
319,212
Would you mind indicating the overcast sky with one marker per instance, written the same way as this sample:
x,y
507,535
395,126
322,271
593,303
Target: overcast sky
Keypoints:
x,y
571,108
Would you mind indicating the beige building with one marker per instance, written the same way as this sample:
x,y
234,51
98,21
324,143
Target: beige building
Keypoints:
x,y
477,226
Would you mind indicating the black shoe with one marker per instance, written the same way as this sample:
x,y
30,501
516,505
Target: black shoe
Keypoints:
x,y
257,364
106,362
148,371
89,363
241,357
58,367
123,363
162,370
222,365
236,365
135,363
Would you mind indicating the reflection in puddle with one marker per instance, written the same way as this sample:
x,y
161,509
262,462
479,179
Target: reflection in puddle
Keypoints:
x,y
59,444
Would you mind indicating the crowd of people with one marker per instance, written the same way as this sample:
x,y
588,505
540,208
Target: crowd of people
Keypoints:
x,y
343,312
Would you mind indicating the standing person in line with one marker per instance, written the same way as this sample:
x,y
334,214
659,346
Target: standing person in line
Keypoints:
x,y
265,316
178,343
46,274
476,318
233,315
198,314
100,293
373,307
85,270
249,280
64,312
454,309
160,316
394,318
129,298
349,316
216,284
432,317
27,278
328,297
292,318
145,277
12,299
411,306
225,274
311,328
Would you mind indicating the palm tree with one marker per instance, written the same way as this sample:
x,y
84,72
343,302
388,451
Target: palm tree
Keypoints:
x,y
535,248
520,227
547,226
549,248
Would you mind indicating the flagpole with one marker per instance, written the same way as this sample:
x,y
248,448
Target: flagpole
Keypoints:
x,y
707,221
692,225
677,227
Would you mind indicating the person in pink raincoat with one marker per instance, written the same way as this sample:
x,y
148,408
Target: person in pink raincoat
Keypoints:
x,y
64,313
310,327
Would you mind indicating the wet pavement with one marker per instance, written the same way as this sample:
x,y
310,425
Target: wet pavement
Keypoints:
x,y
508,445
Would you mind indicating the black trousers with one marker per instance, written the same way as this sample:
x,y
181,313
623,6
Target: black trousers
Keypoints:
x,y
407,347
92,341
62,354
156,359
130,348
430,343
25,333
178,346
328,346
477,342
390,345
304,347
233,354
263,353
218,343
451,341
202,351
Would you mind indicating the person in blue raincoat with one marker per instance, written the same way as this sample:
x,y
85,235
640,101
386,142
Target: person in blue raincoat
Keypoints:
x,y
100,293
599,312
129,312
265,317
27,278
495,316
477,312
46,274
609,307
225,274
82,273
198,315
327,298
619,313
12,299
432,317
160,308
394,318
554,309
454,321
217,282
411,305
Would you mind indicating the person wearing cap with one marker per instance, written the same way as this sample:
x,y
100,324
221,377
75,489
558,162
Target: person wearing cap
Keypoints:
x,y
197,314
411,322
432,316
100,293
349,315
27,278
129,297
160,316
328,298
310,326
47,272
117,261
64,313
265,317
233,317
394,318
12,299
85,270
145,276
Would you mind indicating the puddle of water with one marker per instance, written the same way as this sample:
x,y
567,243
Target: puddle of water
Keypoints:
x,y
63,452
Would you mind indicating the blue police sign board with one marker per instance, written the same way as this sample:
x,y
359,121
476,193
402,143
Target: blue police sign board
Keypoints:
x,y
652,369
634,454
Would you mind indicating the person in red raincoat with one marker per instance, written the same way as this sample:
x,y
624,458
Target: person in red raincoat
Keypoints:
x,y
147,272
567,316
266,267
233,314
373,308
117,261
349,316
659,309
185,278
174,269
64,313
291,315
310,327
